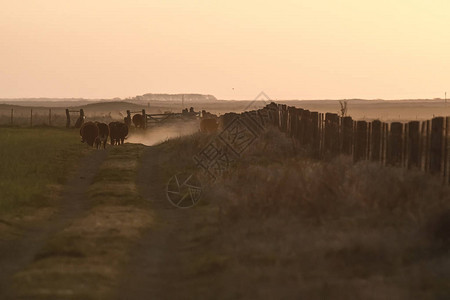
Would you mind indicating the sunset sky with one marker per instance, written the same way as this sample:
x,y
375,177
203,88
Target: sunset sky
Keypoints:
x,y
233,49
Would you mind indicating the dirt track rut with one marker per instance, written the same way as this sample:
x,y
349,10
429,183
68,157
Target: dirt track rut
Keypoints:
x,y
165,261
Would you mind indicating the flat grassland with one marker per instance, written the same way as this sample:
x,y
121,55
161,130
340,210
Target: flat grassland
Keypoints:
x,y
33,163
277,225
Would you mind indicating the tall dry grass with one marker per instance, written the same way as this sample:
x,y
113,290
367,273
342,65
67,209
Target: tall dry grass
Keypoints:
x,y
297,228
281,225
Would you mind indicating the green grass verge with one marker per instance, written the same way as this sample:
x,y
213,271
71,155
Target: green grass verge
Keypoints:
x,y
33,159
114,183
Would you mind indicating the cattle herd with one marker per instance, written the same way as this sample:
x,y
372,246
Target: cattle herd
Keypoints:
x,y
97,133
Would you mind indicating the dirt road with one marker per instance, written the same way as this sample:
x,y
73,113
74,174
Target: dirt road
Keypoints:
x,y
116,236
172,260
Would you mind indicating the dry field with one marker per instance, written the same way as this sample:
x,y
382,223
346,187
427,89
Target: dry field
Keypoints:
x,y
77,223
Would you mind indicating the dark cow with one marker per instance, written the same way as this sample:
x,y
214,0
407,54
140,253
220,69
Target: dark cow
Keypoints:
x,y
208,125
89,132
139,121
103,133
117,132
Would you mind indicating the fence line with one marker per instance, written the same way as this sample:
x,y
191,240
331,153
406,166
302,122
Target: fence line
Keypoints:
x,y
413,145
29,117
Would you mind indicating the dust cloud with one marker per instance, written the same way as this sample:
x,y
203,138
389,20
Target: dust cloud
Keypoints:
x,y
160,133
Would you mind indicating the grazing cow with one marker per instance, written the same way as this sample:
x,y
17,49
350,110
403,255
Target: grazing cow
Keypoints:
x,y
103,133
117,132
139,121
89,132
208,125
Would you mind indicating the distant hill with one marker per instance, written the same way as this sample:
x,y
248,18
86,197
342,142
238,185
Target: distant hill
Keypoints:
x,y
49,102
110,105
177,97
9,106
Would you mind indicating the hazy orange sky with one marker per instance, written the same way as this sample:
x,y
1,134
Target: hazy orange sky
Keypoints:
x,y
289,49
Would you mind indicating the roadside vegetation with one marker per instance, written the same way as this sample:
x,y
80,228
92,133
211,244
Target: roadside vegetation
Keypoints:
x,y
289,227
34,164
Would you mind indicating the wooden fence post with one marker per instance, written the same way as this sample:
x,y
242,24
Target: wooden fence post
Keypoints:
x,y
12,116
332,133
288,121
144,116
405,139
347,135
277,117
386,143
382,143
315,138
274,116
280,117
394,157
306,125
31,118
49,117
298,124
375,141
321,135
284,119
436,146
413,145
422,148
292,122
427,145
446,150
360,149
369,139
329,132
68,118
